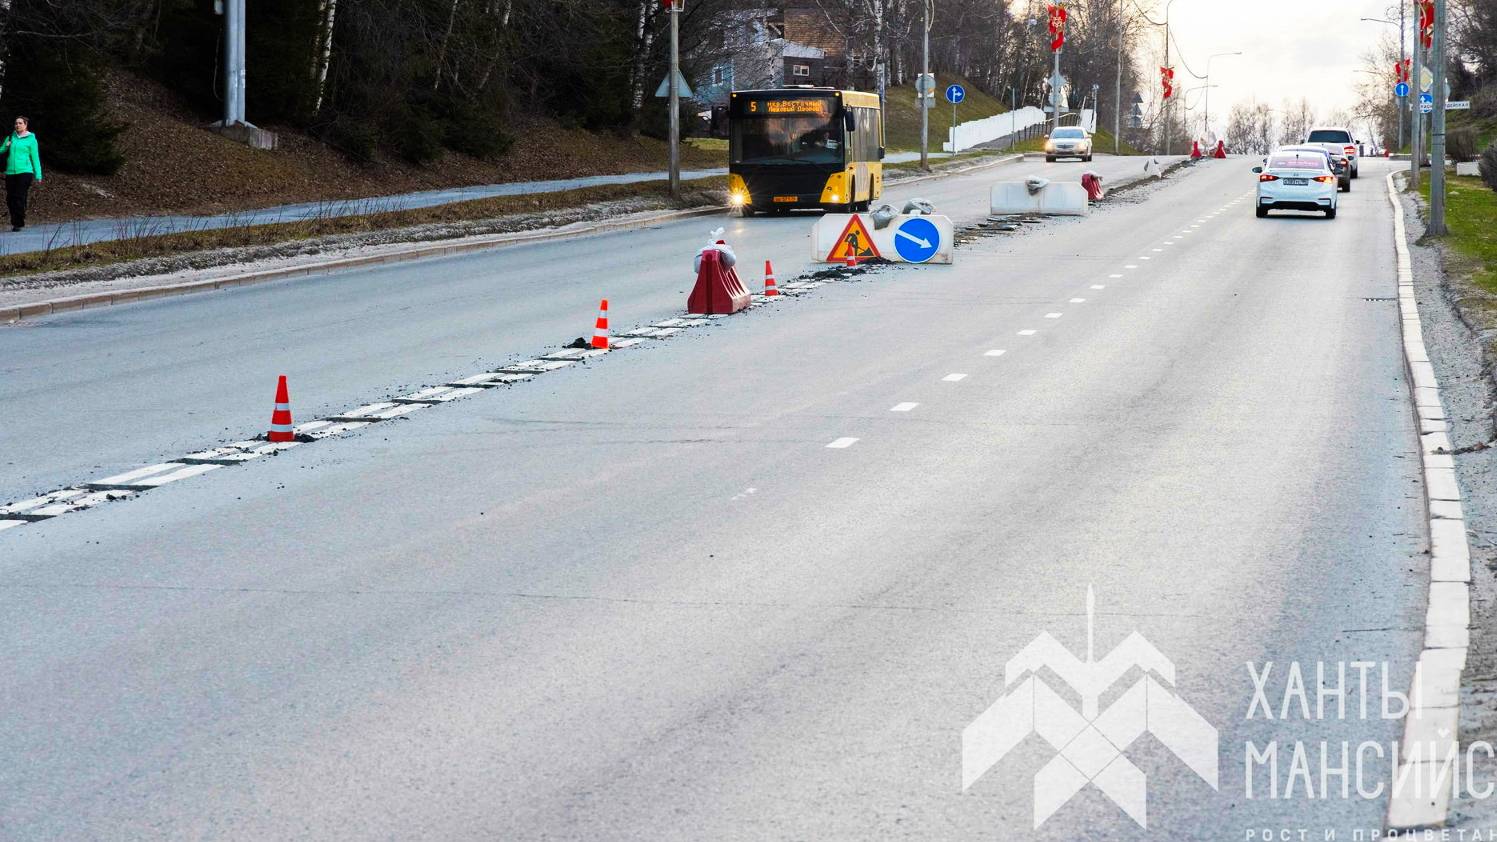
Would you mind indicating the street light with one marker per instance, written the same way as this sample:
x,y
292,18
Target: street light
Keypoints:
x,y
1206,121
1399,24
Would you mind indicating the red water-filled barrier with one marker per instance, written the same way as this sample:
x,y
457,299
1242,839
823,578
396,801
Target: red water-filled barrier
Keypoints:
x,y
1221,149
718,290
1195,149
1093,184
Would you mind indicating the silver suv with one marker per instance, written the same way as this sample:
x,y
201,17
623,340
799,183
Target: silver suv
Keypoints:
x,y
1339,140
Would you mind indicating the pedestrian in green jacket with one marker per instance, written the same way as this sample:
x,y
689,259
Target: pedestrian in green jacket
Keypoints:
x,y
23,165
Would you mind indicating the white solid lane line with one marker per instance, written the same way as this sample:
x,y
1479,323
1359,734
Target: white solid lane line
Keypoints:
x,y
843,442
903,407
952,378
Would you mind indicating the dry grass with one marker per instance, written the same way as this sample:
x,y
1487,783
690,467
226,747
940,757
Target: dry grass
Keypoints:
x,y
145,241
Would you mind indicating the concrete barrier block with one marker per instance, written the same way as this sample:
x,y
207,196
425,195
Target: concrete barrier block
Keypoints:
x,y
1058,198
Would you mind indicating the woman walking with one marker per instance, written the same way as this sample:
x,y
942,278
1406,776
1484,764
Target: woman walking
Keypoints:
x,y
22,166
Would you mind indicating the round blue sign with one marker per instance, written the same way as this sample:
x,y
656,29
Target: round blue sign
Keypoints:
x,y
1401,89
955,94
917,239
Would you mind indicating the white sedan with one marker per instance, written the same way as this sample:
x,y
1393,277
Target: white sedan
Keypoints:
x,y
1296,181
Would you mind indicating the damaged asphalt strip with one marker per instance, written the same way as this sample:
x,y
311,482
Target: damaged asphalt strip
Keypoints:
x,y
128,484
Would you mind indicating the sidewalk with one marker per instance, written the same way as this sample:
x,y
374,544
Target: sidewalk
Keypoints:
x,y
62,234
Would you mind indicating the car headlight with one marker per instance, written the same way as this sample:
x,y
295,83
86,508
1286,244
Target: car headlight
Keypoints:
x,y
1049,146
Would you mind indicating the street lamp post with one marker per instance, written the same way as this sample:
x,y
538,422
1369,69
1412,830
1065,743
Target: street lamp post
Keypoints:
x,y
675,101
1437,129
1206,121
1397,106
1117,88
921,95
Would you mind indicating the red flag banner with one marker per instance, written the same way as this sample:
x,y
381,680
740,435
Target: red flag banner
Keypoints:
x,y
1057,26
1167,81
1427,23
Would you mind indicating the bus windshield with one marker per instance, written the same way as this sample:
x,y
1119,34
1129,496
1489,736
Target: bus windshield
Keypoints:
x,y
787,139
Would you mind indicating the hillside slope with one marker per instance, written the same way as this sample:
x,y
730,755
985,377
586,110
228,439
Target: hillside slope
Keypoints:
x,y
175,165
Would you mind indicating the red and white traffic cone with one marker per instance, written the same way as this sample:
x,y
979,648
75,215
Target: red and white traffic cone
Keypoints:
x,y
280,417
852,260
600,329
769,284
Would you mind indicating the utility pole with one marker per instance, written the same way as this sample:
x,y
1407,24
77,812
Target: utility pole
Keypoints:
x,y
921,93
1436,226
1117,87
1416,119
675,99
1402,31
1167,64
234,64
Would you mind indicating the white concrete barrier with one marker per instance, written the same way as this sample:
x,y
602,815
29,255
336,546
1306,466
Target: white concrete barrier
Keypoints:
x,y
909,238
1058,198
1468,168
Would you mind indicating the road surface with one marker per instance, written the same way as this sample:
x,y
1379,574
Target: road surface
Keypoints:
x,y
749,583
59,235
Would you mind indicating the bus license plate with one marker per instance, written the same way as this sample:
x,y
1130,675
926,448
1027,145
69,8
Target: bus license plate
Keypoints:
x,y
787,199
1297,182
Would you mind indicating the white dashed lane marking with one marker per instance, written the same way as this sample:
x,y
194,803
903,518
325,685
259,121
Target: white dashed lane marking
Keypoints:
x,y
1052,315
843,442
1115,276
952,378
903,407
1027,332
1078,301
996,352
1131,266
1101,286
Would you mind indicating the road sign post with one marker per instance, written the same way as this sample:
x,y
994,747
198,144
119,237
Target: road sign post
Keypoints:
x,y
954,95
675,7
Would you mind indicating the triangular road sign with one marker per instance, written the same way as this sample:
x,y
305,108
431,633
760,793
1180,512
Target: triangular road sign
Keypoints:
x,y
854,240
683,90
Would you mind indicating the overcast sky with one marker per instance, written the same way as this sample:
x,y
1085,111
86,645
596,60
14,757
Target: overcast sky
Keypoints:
x,y
1290,48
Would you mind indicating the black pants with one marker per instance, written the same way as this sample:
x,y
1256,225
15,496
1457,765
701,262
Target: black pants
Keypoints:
x,y
16,188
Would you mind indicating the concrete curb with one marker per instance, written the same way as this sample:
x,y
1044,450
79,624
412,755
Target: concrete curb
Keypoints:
x,y
1433,715
10,315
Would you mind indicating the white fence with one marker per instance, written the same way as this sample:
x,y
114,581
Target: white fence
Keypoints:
x,y
974,132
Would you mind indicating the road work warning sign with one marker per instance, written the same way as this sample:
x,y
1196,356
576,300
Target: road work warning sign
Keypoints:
x,y
855,241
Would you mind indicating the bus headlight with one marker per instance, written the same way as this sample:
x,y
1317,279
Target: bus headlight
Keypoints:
x,y
737,199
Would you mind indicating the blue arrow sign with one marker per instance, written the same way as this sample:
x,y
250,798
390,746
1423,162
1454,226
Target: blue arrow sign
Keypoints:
x,y
1427,97
917,239
1401,89
955,94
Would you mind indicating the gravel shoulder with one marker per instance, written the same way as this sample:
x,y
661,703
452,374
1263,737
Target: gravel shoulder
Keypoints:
x,y
1460,327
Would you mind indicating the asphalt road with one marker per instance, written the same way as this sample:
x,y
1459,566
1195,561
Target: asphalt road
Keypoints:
x,y
643,599
59,235
141,383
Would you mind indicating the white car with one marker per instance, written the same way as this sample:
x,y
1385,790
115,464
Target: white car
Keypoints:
x,y
1337,139
1296,181
1068,142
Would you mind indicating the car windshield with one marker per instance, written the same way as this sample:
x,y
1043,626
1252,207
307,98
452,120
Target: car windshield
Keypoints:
x,y
1068,133
1306,162
1329,136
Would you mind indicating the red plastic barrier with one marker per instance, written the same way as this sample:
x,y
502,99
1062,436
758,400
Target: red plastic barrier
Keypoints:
x,y
1195,149
1221,149
718,290
1093,184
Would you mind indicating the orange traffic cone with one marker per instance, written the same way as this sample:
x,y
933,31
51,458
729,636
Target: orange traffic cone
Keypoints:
x,y
600,330
280,417
852,260
769,285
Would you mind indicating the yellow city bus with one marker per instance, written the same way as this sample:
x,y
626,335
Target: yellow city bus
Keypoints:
x,y
804,148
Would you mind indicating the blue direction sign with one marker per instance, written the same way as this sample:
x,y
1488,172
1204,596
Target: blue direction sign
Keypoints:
x,y
1426,102
955,94
917,239
1401,89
